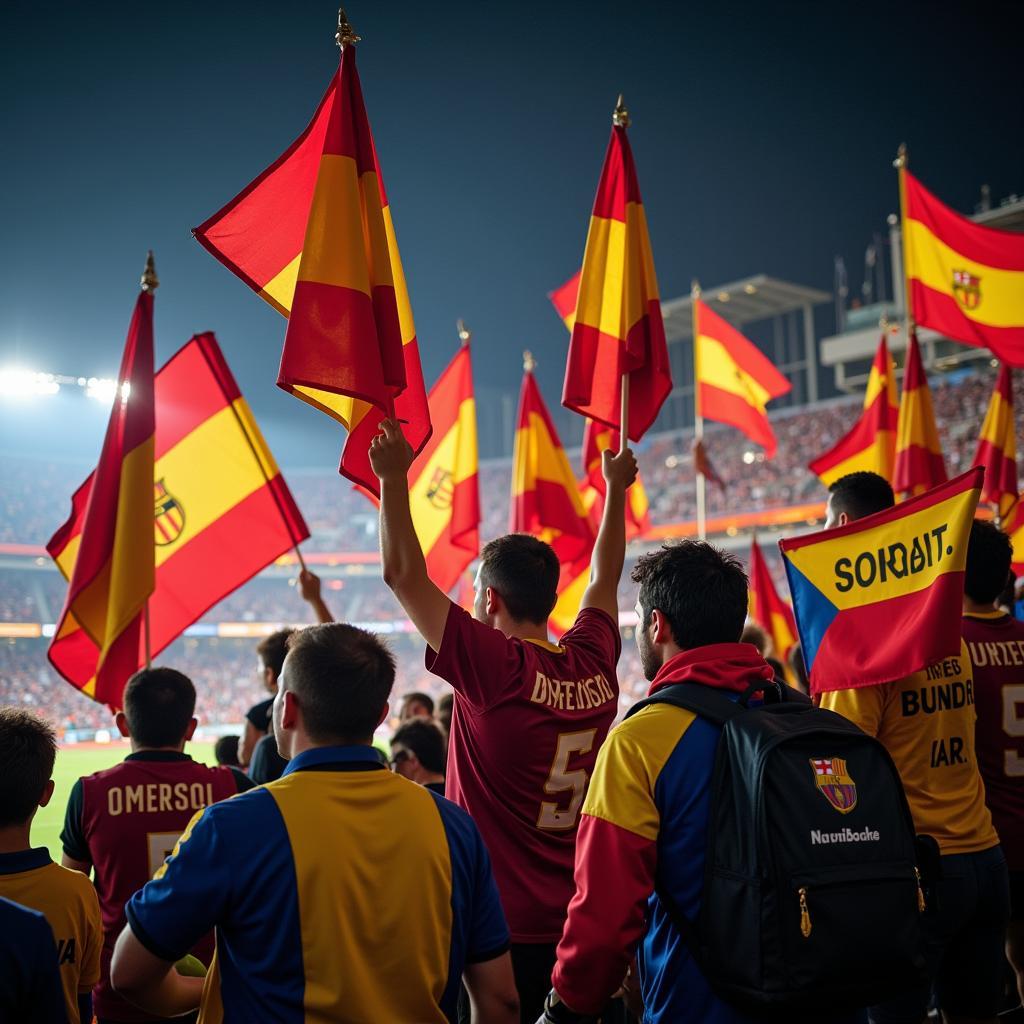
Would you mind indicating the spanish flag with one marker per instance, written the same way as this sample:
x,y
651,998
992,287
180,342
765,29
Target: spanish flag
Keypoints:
x,y
99,640
965,280
1015,528
997,447
919,463
564,298
314,236
871,444
597,438
545,498
880,598
217,512
617,328
444,492
767,608
735,381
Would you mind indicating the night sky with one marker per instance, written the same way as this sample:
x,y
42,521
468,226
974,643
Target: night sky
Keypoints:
x,y
763,136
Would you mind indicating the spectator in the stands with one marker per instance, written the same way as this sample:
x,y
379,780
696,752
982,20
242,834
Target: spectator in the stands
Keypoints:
x,y
416,705
225,750
444,713
418,753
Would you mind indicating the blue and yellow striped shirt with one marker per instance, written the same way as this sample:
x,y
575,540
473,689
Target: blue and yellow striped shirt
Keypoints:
x,y
339,892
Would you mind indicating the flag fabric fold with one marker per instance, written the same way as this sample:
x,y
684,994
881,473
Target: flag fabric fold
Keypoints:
x,y
997,447
597,438
617,328
881,598
767,608
313,235
563,298
444,492
919,464
217,511
965,279
735,380
113,573
871,444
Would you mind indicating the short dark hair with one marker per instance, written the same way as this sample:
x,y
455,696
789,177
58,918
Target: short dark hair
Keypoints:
x,y
225,750
425,740
159,704
989,554
444,710
273,648
700,589
861,494
754,634
342,677
416,697
28,748
524,571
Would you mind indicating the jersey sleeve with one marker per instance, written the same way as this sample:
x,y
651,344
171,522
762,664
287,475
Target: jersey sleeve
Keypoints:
x,y
479,661
188,894
865,706
72,835
90,976
488,935
596,632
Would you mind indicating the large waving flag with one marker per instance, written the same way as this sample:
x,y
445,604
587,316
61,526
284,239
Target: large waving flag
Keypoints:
x,y
997,446
617,329
919,463
112,574
881,597
444,491
313,235
217,512
871,444
966,280
735,380
767,608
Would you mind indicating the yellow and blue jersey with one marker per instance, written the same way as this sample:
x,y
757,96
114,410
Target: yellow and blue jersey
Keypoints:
x,y
339,892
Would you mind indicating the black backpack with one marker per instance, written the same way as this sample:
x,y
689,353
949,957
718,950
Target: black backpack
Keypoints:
x,y
811,897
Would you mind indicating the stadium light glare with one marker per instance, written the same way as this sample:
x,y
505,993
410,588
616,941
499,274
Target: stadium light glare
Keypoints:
x,y
103,389
16,383
749,457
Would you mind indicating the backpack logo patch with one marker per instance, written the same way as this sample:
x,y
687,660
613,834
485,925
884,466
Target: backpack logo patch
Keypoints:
x,y
834,784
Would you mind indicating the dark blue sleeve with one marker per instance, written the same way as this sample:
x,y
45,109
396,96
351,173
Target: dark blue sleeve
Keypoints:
x,y
189,893
488,935
72,836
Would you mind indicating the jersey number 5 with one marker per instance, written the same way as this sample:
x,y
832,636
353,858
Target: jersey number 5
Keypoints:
x,y
1013,725
562,780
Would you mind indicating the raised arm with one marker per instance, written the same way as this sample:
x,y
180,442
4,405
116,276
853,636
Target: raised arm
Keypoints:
x,y
402,562
309,587
619,469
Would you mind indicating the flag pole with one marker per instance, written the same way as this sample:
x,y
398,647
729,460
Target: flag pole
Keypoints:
x,y
621,119
900,163
698,420
464,332
149,283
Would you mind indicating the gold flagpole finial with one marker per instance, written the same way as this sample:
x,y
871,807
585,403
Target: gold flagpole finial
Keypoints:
x,y
883,323
149,282
695,289
346,34
901,157
464,332
620,116
529,363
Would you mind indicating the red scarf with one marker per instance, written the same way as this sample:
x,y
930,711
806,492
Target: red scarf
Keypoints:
x,y
724,666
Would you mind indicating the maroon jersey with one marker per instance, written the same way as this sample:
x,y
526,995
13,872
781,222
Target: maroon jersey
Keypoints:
x,y
996,645
527,722
125,822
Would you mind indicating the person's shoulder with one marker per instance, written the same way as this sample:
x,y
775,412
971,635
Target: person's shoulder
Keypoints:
x,y
591,620
71,884
459,826
16,919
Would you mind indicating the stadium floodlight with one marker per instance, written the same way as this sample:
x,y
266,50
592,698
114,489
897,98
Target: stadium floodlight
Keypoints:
x,y
15,383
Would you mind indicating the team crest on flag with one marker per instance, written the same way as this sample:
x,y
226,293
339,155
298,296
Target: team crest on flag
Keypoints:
x,y
168,515
441,489
834,783
967,289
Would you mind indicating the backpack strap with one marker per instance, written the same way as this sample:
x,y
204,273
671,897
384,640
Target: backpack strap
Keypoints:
x,y
704,701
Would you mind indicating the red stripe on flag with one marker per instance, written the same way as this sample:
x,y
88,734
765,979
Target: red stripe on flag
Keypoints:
x,y
618,185
941,312
726,407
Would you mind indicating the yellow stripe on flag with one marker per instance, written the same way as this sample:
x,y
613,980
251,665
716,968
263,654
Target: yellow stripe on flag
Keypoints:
x,y
544,460
718,369
280,290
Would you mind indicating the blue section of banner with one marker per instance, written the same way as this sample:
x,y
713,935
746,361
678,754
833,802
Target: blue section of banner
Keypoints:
x,y
813,611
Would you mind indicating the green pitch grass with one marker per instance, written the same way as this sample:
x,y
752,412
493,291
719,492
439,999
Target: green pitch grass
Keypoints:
x,y
72,763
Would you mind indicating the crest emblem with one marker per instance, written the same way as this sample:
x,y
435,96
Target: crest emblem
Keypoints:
x,y
441,489
834,784
967,289
168,515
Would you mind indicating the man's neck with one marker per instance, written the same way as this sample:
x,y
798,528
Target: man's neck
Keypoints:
x,y
301,743
139,749
972,607
15,838
426,778
523,630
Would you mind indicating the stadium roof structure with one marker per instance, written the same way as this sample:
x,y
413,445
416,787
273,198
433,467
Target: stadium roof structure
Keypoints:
x,y
741,302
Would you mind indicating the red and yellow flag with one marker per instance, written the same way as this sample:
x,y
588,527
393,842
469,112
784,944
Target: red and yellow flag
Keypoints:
x,y
217,511
545,496
314,236
1015,528
735,380
871,444
617,328
598,438
997,447
919,463
112,574
444,491
564,298
767,608
965,280
880,598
